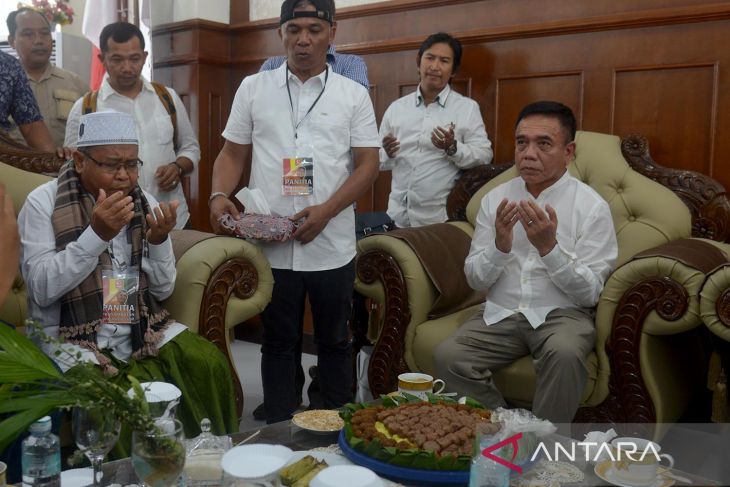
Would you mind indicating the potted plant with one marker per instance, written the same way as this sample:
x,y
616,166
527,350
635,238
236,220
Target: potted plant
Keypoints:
x,y
31,386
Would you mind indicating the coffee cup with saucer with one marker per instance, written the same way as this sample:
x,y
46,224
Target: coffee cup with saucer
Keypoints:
x,y
418,384
637,460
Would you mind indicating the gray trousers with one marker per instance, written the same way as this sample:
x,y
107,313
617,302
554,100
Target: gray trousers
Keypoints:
x,y
559,348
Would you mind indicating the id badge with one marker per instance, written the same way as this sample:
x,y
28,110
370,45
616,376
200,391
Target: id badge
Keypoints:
x,y
120,290
298,172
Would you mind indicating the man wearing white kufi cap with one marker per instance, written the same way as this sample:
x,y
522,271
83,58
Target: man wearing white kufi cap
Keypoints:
x,y
97,260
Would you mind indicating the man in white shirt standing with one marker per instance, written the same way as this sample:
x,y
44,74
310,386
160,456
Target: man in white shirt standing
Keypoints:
x,y
430,136
302,117
543,246
169,151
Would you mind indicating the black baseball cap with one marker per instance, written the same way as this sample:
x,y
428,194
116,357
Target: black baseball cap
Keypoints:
x,y
325,10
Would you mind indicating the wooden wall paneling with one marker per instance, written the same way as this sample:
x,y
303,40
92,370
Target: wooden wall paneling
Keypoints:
x,y
674,101
192,58
656,66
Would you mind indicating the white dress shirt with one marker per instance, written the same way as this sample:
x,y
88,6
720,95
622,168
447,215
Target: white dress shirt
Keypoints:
x,y
343,118
423,175
155,132
49,274
572,275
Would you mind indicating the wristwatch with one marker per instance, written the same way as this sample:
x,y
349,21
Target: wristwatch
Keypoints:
x,y
451,150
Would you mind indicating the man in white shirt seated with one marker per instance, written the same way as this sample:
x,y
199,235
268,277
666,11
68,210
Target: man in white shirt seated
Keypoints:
x,y
92,236
167,143
543,246
430,136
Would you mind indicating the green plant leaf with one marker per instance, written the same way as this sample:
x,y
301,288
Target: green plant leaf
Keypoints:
x,y
50,399
11,427
20,359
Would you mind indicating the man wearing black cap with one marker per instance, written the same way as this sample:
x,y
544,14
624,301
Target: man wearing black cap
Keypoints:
x,y
302,117
348,65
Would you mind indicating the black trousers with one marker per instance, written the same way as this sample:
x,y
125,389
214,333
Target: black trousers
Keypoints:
x,y
330,297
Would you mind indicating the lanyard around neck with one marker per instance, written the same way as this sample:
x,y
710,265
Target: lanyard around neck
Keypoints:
x,y
296,125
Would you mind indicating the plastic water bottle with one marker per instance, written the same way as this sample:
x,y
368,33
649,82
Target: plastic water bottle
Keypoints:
x,y
41,456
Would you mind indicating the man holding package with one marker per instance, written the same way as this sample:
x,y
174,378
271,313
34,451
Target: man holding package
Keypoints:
x,y
314,141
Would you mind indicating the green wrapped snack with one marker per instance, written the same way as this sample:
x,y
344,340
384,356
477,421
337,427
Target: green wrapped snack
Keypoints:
x,y
304,481
289,475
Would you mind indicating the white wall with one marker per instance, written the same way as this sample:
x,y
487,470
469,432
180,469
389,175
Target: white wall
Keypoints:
x,y
266,9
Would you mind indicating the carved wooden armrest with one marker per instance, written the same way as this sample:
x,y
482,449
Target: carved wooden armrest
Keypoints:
x,y
27,159
705,197
387,360
665,293
213,272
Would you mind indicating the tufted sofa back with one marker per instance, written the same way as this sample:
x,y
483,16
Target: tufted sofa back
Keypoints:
x,y
18,184
645,213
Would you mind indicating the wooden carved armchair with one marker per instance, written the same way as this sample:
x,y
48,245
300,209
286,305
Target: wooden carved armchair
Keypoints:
x,y
649,360
221,281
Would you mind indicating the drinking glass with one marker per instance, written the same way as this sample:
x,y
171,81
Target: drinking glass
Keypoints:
x,y
95,431
158,456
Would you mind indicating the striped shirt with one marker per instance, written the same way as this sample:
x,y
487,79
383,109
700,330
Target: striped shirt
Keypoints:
x,y
347,65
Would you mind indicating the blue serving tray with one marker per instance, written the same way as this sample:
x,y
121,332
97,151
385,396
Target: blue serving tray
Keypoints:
x,y
437,478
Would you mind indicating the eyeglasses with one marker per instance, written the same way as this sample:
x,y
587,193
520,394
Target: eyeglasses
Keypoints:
x,y
130,166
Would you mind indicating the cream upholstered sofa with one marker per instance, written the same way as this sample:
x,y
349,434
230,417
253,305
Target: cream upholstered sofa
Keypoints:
x,y
221,281
648,362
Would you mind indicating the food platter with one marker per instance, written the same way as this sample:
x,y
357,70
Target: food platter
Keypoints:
x,y
398,439
442,478
319,421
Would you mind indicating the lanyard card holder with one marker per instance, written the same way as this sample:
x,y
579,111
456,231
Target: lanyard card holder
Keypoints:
x,y
298,173
120,288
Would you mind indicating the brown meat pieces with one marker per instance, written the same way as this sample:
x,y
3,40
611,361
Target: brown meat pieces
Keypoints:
x,y
442,428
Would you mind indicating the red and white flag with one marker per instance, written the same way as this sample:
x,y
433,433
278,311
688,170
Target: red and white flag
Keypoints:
x,y
97,14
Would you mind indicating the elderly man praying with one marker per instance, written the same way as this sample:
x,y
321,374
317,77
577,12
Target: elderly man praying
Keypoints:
x,y
92,235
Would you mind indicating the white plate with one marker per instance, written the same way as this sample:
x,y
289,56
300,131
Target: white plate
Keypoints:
x,y
255,461
77,477
606,471
307,420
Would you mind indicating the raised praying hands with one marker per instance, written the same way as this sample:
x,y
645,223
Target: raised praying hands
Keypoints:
x,y
163,220
540,226
111,214
443,138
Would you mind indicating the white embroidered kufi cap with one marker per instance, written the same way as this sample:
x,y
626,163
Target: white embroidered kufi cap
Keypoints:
x,y
107,128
